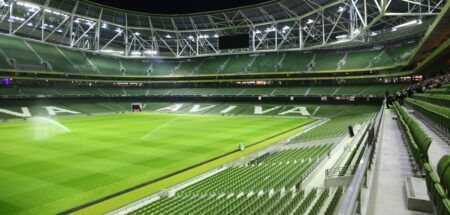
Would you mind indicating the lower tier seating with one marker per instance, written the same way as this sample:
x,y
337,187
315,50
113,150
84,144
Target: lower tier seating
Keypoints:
x,y
254,188
311,91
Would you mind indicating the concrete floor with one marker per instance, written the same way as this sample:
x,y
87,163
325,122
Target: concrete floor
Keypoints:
x,y
393,166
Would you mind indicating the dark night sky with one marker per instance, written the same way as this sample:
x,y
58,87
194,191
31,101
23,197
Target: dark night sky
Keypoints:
x,y
176,7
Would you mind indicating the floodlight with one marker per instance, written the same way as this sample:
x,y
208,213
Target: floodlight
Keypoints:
x,y
270,29
413,22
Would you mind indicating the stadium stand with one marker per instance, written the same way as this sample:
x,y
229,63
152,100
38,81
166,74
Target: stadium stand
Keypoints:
x,y
71,61
438,114
19,54
312,91
327,61
417,139
330,108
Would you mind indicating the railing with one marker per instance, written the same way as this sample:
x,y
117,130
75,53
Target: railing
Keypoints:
x,y
341,171
351,202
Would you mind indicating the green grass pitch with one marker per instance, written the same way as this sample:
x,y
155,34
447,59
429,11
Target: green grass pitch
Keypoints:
x,y
45,168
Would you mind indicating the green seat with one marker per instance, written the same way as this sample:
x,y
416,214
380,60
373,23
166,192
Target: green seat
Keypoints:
x,y
443,164
431,177
444,207
438,194
445,181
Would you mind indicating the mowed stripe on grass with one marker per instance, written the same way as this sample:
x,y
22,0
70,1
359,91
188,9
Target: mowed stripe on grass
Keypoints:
x,y
104,154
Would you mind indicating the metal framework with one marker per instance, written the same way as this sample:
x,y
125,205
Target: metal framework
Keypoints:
x,y
277,25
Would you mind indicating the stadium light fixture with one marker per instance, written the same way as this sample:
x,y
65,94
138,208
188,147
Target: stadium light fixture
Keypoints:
x,y
104,25
216,36
136,53
54,12
168,36
342,36
30,24
59,30
310,21
77,21
151,52
257,32
413,22
17,18
137,34
270,29
27,5
191,37
112,51
118,30
341,9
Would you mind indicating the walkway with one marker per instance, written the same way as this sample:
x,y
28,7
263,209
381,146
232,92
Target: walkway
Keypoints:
x,y
393,167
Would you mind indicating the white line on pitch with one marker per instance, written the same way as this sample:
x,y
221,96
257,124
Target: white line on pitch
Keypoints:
x,y
157,128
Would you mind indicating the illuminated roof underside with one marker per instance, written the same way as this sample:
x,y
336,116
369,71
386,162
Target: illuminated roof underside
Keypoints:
x,y
277,25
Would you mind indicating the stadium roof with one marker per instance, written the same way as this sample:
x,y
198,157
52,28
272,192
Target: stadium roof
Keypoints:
x,y
178,6
272,26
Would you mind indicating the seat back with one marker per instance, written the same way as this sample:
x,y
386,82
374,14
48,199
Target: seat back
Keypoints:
x,y
442,165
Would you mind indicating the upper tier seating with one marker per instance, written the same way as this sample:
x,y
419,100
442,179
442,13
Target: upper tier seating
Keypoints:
x,y
53,57
266,63
295,61
79,61
358,60
135,67
327,61
237,64
106,65
16,53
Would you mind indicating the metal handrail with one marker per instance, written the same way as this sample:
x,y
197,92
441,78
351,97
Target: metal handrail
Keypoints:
x,y
340,171
350,201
